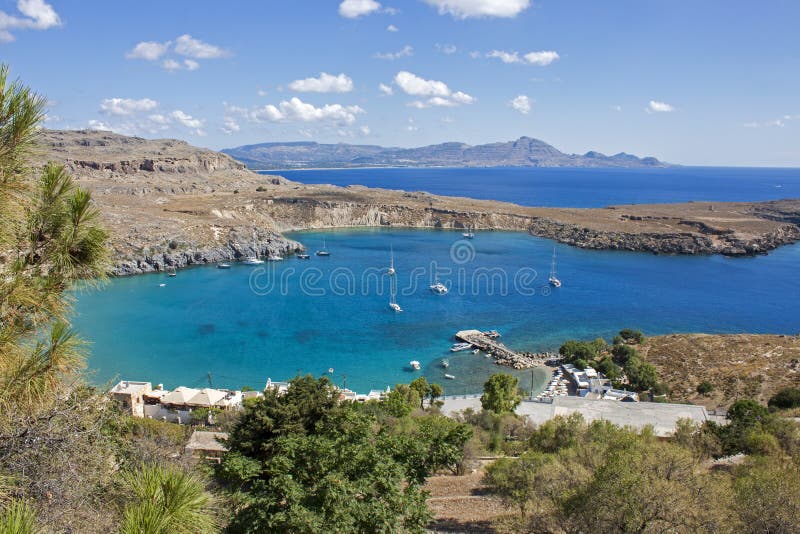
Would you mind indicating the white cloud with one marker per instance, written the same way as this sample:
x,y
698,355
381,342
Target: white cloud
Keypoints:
x,y
352,9
194,124
616,108
386,89
440,95
262,92
126,106
295,110
325,83
36,15
413,85
446,49
462,9
364,130
541,58
521,103
148,50
392,28
187,46
99,125
406,51
659,107
159,120
505,57
171,65
775,123
230,126
412,127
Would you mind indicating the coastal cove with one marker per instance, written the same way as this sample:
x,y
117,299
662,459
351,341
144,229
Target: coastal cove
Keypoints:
x,y
244,328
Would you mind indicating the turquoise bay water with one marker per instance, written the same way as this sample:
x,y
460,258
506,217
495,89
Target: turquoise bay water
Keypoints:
x,y
244,327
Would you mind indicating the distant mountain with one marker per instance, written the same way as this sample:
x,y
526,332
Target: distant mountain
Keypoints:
x,y
524,152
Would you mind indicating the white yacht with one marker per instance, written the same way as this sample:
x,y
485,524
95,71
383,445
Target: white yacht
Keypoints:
x,y
553,280
414,365
252,260
460,346
275,257
469,234
324,250
445,364
449,377
224,266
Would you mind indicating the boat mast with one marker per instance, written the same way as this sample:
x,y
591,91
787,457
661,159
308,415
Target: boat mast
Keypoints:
x,y
392,288
553,265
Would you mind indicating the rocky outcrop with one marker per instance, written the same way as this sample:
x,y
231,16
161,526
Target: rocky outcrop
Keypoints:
x,y
177,255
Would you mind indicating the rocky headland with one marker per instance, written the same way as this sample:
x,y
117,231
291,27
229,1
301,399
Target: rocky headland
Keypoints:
x,y
522,152
169,204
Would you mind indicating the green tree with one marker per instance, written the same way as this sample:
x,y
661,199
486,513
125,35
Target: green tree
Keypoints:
x,y
52,426
427,444
501,393
641,375
632,336
421,387
401,401
515,480
305,462
165,501
621,354
435,391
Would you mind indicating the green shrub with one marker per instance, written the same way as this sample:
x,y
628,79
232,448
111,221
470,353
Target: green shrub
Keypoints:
x,y
785,399
705,387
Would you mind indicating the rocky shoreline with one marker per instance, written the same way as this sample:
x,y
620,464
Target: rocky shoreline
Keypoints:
x,y
188,255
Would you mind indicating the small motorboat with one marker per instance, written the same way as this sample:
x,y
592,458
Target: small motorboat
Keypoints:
x,y
460,346
274,257
224,266
172,273
450,377
395,306
303,257
439,288
414,365
252,260
161,285
445,364
476,351
330,370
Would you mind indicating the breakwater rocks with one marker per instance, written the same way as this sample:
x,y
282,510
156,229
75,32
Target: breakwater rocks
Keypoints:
x,y
177,255
704,241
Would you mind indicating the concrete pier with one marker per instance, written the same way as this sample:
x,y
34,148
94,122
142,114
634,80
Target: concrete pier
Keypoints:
x,y
501,354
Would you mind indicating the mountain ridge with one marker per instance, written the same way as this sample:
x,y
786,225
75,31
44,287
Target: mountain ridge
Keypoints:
x,y
522,152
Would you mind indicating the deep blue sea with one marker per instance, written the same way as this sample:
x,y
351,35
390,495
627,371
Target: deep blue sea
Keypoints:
x,y
580,188
246,324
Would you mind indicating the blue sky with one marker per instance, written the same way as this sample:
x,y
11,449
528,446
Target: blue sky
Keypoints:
x,y
711,82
